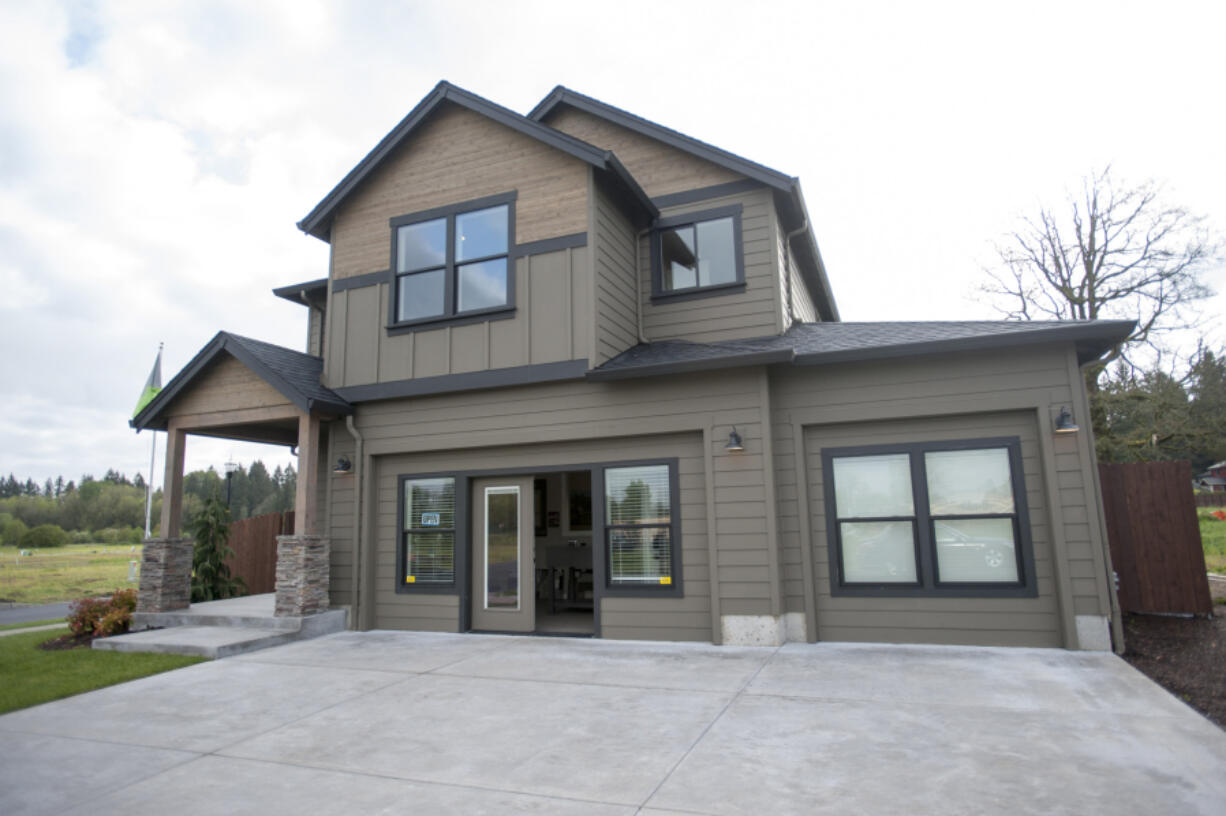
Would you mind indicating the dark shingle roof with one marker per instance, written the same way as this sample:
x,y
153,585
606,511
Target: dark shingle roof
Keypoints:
x,y
817,343
295,375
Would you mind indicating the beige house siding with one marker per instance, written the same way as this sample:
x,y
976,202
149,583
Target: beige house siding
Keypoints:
x,y
581,423
315,325
553,304
339,517
1007,393
457,156
611,237
798,307
658,168
226,385
754,312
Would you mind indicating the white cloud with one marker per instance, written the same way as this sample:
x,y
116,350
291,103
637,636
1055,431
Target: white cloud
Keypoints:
x,y
154,157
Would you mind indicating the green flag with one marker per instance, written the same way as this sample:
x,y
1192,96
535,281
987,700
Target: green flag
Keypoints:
x,y
152,386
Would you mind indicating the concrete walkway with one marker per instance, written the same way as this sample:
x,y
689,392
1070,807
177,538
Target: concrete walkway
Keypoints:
x,y
383,722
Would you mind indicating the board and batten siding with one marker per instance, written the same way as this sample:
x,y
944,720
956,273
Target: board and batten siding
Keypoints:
x,y
581,423
755,312
658,168
612,244
962,396
552,302
456,156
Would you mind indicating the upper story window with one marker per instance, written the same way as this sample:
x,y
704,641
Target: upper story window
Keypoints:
x,y
929,519
453,262
698,254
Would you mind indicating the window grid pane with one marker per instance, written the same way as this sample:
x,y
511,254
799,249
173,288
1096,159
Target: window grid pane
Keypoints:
x,y
976,550
482,285
878,552
481,233
969,482
421,295
429,531
873,486
640,555
421,246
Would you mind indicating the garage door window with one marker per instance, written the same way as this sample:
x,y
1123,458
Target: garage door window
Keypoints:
x,y
928,518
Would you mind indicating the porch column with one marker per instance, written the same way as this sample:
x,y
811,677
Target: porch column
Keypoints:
x,y
303,559
166,562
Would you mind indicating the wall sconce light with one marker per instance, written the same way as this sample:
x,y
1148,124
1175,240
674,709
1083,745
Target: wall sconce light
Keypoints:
x,y
734,441
343,465
1064,422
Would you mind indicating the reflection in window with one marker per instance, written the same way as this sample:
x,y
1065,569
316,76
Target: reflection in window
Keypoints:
x,y
638,525
428,537
697,255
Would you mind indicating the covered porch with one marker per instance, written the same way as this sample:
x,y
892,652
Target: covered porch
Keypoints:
x,y
246,390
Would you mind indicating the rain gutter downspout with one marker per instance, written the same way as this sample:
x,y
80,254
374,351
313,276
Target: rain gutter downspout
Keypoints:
x,y
787,264
638,284
357,521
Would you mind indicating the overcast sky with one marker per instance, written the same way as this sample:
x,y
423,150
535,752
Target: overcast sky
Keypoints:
x,y
154,157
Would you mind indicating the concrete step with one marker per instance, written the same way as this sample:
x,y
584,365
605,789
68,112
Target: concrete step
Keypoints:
x,y
239,636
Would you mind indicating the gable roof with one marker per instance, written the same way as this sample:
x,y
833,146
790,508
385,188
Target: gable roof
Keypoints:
x,y
787,187
295,375
822,343
317,221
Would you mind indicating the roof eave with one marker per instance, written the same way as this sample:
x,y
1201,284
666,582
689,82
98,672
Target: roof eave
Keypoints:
x,y
689,366
293,293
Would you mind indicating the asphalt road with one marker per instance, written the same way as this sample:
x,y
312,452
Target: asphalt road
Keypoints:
x,y
20,614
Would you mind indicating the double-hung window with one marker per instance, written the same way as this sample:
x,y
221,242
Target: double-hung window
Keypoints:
x,y
452,262
929,519
428,531
640,526
698,253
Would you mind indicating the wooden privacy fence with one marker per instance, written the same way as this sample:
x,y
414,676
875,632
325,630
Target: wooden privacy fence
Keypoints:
x,y
1211,499
254,542
1155,538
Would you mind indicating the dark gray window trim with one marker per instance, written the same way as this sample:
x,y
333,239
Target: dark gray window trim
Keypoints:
x,y
459,554
706,193
468,381
451,266
608,589
658,294
927,587
360,281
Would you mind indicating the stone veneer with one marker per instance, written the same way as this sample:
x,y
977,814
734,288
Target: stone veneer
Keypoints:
x,y
302,575
165,575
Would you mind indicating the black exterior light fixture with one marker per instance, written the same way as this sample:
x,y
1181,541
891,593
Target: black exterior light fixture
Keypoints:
x,y
734,441
1065,423
343,466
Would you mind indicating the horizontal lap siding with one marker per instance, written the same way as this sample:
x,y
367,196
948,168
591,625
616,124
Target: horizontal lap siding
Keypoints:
x,y
552,300
754,312
459,155
917,400
578,423
338,518
612,241
802,308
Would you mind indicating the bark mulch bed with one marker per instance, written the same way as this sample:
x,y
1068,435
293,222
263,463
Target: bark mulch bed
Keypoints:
x,y
1186,656
69,641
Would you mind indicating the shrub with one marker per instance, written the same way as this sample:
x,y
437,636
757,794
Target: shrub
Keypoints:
x,y
103,617
12,534
44,535
211,580
81,537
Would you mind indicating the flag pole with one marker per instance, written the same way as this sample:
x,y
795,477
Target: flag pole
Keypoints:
x,y
152,387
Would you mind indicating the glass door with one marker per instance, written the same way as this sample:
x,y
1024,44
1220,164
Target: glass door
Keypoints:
x,y
503,551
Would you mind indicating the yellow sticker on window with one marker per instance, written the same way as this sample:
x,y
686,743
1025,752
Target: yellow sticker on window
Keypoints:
x,y
667,579
409,579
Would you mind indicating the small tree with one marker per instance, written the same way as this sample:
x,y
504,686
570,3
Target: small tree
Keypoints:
x,y
11,535
44,535
211,579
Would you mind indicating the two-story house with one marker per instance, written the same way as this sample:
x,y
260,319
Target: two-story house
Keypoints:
x,y
574,372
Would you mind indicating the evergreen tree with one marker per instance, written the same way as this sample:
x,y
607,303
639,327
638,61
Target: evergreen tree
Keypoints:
x,y
138,481
30,488
59,486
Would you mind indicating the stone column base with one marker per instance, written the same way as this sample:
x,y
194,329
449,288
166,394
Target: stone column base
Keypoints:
x,y
165,575
302,575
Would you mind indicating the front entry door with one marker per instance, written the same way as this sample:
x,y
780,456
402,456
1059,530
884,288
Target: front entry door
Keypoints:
x,y
503,548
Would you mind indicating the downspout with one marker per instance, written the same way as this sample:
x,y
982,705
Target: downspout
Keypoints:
x,y
638,284
787,265
357,519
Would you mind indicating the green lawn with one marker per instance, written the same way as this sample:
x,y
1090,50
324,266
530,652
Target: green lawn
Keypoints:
x,y
65,573
1213,540
28,624
29,675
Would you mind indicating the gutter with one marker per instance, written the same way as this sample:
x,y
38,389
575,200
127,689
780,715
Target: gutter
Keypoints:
x,y
356,581
685,367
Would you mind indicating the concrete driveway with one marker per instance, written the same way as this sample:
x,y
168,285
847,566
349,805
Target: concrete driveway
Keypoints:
x,y
383,722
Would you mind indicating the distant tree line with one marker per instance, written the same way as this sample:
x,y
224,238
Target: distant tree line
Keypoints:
x,y
112,509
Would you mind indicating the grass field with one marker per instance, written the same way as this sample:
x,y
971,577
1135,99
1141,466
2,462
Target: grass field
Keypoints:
x,y
29,675
65,573
29,624
1213,540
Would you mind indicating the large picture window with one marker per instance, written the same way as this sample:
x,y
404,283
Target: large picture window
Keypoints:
x,y
640,513
928,518
698,254
428,534
452,262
